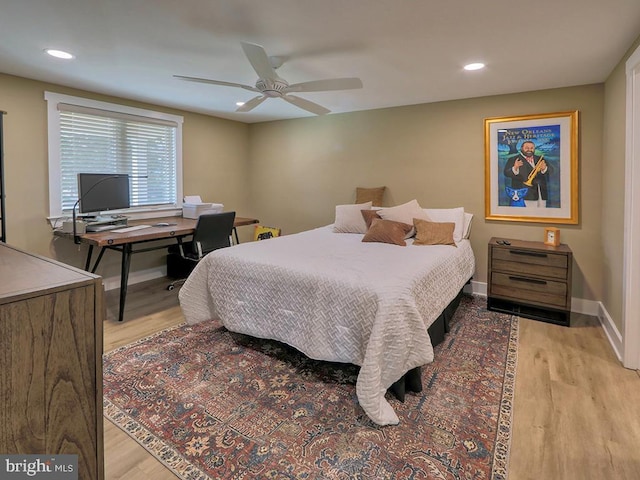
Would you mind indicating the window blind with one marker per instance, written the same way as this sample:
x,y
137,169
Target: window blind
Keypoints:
x,y
98,141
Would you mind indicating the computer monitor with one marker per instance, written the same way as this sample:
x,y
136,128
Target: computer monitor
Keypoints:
x,y
99,192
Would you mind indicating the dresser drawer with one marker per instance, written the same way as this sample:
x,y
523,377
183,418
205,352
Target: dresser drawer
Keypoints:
x,y
529,290
529,262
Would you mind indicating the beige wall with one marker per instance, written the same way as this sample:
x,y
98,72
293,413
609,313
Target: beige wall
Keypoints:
x,y
613,183
292,173
215,153
300,169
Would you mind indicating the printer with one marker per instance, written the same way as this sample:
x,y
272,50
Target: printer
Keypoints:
x,y
193,207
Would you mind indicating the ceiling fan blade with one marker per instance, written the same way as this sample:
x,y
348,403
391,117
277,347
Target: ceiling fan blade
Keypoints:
x,y
325,85
306,105
251,104
217,82
259,61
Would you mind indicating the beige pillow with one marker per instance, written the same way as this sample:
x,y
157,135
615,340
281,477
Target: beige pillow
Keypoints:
x,y
369,215
349,218
404,213
373,195
432,233
466,229
387,231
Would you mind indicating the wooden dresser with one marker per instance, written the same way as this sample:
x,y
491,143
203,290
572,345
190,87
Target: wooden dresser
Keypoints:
x,y
51,360
530,279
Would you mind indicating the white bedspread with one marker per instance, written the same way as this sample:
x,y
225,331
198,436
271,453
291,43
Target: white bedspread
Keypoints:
x,y
334,298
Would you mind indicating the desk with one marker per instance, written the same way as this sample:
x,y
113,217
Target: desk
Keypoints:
x,y
124,242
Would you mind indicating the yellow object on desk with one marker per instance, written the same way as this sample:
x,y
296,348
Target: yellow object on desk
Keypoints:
x,y
262,233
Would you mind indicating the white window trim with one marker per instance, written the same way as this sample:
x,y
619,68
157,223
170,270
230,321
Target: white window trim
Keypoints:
x,y
53,122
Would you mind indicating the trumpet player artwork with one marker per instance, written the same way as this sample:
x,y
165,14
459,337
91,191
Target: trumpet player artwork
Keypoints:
x,y
531,168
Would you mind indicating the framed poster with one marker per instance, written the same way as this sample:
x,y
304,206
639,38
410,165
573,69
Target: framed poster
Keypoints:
x,y
531,168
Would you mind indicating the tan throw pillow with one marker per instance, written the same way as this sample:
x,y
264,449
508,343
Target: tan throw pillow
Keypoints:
x,y
432,233
442,215
373,195
387,231
368,216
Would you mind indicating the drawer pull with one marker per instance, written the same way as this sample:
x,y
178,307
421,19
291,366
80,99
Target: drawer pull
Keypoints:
x,y
528,280
528,254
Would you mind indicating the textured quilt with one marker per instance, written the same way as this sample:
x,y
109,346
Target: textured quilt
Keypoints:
x,y
334,298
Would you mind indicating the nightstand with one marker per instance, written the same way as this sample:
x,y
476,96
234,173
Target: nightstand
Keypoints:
x,y
530,279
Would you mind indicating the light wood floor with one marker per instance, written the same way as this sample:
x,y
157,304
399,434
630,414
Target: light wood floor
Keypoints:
x,y
576,413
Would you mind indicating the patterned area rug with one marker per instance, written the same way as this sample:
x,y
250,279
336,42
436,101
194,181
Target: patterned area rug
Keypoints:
x,y
211,404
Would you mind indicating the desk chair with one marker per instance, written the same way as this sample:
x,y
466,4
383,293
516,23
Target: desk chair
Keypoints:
x,y
213,231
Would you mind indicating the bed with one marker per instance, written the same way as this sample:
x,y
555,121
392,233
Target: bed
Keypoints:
x,y
335,298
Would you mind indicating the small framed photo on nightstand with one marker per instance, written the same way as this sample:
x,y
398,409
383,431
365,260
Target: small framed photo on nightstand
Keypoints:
x,y
552,236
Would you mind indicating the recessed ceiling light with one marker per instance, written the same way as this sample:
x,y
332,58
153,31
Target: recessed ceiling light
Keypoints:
x,y
59,54
239,104
474,66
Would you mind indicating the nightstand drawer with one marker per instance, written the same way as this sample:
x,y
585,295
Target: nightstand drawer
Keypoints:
x,y
528,290
530,279
528,262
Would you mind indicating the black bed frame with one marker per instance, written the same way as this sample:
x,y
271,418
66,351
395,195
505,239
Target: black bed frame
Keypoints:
x,y
412,380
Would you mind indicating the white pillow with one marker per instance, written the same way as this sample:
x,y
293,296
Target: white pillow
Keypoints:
x,y
455,215
349,218
466,231
404,213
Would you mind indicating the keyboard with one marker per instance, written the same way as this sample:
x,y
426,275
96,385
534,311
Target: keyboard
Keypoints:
x,y
130,229
100,228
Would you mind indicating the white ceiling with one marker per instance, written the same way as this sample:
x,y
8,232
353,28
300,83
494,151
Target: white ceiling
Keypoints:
x,y
405,51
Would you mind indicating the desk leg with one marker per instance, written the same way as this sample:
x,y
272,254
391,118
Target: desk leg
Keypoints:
x,y
124,277
87,264
95,265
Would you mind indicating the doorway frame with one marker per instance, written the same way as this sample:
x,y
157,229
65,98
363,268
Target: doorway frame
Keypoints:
x,y
631,256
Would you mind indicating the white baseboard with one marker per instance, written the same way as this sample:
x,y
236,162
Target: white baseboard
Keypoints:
x,y
610,330
112,283
476,288
578,305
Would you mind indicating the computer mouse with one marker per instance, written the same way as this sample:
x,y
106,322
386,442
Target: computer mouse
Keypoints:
x,y
162,224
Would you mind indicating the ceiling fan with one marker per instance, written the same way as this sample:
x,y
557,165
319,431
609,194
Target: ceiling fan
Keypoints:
x,y
270,85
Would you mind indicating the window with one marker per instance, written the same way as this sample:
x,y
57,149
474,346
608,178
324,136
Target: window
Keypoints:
x,y
87,136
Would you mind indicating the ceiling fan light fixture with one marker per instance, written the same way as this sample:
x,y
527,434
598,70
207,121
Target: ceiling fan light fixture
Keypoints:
x,y
59,54
270,85
474,66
